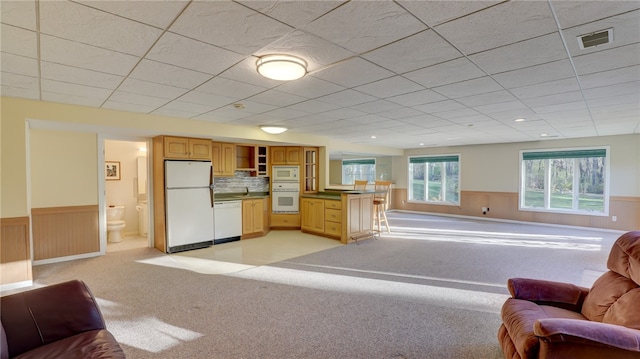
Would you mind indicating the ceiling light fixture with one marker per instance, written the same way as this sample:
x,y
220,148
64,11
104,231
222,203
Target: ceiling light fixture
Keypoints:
x,y
274,130
519,120
281,67
373,136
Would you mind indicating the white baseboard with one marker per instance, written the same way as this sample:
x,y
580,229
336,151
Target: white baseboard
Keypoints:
x,y
17,285
67,258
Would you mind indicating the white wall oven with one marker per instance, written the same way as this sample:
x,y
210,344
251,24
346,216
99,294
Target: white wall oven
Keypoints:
x,y
285,174
285,197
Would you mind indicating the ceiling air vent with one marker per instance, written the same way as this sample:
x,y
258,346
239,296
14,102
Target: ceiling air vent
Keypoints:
x,y
595,39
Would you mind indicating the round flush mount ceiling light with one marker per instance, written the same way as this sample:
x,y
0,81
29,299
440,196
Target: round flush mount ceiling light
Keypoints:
x,y
274,130
281,67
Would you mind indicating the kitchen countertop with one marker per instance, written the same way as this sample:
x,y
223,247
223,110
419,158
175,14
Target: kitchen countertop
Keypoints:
x,y
220,197
336,194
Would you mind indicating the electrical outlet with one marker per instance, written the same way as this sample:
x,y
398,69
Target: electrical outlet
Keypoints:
x,y
614,218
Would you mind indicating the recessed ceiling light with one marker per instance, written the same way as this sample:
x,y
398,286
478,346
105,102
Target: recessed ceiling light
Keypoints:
x,y
544,135
239,106
281,67
373,136
519,120
421,143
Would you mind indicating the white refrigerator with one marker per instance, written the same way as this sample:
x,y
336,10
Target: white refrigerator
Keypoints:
x,y
188,205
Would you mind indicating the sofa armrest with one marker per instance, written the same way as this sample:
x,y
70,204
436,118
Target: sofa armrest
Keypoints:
x,y
585,331
557,294
44,315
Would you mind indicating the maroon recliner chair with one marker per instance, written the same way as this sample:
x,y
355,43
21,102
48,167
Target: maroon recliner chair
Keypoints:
x,y
548,320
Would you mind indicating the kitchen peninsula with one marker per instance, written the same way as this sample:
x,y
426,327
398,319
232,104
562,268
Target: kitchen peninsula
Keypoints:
x,y
343,215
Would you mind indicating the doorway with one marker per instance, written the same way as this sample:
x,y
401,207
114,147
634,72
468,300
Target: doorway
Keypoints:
x,y
126,190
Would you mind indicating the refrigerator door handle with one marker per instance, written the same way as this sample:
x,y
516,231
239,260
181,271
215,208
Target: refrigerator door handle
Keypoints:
x,y
211,196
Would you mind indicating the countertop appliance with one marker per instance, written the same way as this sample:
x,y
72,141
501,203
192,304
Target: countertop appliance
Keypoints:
x,y
285,197
285,174
228,221
189,205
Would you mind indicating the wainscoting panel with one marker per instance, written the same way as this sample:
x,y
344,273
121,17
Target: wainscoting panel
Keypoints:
x,y
504,205
65,231
15,256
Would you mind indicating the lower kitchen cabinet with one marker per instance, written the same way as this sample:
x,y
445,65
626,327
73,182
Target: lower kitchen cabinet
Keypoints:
x,y
312,214
349,217
253,217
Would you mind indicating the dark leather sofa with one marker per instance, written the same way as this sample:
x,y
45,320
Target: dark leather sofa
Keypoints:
x,y
549,320
61,321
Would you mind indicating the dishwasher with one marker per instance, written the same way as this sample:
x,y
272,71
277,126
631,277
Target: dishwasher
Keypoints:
x,y
227,221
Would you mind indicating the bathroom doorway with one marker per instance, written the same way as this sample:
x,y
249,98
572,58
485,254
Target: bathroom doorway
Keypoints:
x,y
126,194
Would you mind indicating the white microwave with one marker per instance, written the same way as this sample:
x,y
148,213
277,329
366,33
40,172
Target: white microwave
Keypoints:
x,y
285,174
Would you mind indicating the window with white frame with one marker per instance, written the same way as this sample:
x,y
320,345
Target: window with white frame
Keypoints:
x,y
358,169
565,180
435,179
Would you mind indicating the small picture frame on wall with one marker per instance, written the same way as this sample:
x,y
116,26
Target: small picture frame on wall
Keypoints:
x,y
112,170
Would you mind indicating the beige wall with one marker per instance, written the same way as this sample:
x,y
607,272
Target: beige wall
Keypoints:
x,y
495,168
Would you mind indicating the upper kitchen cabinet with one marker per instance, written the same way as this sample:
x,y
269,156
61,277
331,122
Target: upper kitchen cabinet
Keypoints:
x,y
310,175
252,159
187,148
223,159
281,155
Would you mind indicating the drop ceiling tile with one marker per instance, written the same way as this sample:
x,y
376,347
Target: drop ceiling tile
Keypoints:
x,y
157,72
353,72
256,107
18,65
135,99
445,73
163,111
11,91
342,113
510,115
503,24
315,51
223,114
230,88
560,107
346,98
160,15
9,80
79,76
441,106
276,98
19,13
560,98
171,49
75,54
426,121
546,88
627,88
389,87
310,87
246,72
71,99
633,99
369,119
611,77
500,107
487,98
295,13
66,88
450,115
609,59
377,24
313,106
572,13
625,32
140,87
17,41
521,54
469,87
414,53
437,12
229,25
285,113
123,106
400,113
535,74
376,106
203,98
417,98
83,24
193,108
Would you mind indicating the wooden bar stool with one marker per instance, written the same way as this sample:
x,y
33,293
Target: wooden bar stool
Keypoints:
x,y
360,185
380,200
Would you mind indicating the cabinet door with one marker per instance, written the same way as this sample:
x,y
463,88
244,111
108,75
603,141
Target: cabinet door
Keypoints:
x,y
278,155
258,215
306,209
228,158
199,149
216,158
176,147
247,217
310,168
318,215
293,155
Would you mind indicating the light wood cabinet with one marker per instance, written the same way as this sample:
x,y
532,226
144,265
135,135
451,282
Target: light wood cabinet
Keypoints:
x,y
333,218
358,219
312,214
310,170
187,148
285,221
253,211
285,155
223,157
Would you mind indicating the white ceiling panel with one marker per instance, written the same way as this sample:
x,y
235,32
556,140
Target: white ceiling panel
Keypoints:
x,y
83,24
388,68
377,24
229,25
19,41
171,49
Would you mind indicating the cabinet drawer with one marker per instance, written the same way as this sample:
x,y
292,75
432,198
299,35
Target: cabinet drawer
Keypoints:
x,y
285,220
334,204
333,228
333,215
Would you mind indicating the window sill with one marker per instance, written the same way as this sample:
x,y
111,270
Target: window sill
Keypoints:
x,y
560,211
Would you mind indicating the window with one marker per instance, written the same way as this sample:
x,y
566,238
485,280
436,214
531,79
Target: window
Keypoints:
x,y
565,181
358,169
435,179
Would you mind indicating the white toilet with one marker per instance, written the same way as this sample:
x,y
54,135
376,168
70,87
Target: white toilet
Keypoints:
x,y
115,223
